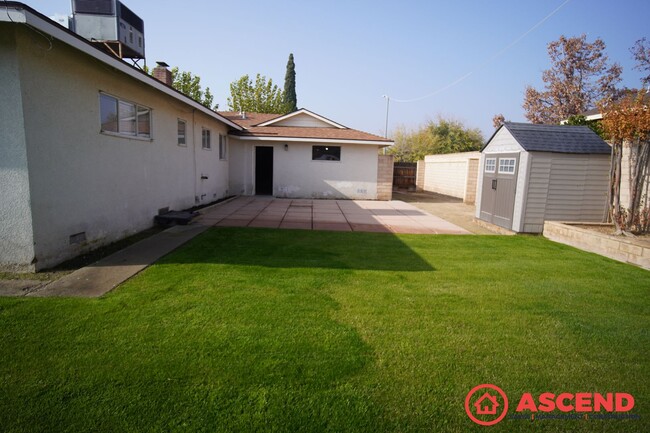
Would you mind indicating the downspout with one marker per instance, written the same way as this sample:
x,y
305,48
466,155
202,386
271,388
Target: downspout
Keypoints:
x,y
194,179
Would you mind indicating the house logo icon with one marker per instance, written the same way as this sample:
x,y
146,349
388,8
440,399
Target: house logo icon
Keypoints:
x,y
486,404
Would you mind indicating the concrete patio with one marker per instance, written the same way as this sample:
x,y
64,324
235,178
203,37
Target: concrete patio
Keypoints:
x,y
339,215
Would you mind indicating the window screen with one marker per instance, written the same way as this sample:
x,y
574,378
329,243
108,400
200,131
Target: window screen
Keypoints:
x,y
205,139
181,133
108,112
223,150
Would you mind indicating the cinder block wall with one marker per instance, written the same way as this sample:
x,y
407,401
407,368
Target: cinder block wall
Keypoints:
x,y
419,177
472,180
385,177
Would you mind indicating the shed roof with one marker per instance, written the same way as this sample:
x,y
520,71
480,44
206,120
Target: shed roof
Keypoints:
x,y
555,138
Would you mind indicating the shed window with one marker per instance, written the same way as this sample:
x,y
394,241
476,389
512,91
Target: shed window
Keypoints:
x,y
205,139
507,165
326,153
123,117
490,165
181,128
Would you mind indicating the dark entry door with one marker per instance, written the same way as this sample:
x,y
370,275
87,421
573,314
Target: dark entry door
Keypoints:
x,y
499,188
263,170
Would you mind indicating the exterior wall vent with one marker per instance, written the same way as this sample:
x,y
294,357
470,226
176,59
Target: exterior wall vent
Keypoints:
x,y
78,238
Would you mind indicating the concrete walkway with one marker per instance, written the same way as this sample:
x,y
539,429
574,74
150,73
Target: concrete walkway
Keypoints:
x,y
341,215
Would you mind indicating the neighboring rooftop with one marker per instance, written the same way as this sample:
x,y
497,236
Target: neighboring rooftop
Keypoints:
x,y
556,138
251,122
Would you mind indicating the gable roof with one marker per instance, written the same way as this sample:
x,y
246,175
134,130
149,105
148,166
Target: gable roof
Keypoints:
x,y
554,138
254,129
299,112
19,13
488,396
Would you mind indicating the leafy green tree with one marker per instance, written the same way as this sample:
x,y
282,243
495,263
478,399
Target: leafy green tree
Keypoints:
x,y
443,136
260,97
190,85
290,98
581,120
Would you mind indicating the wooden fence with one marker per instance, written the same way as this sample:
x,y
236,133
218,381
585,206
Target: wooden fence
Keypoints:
x,y
404,174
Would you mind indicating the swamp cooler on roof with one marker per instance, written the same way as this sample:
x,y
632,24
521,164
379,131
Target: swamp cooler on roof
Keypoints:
x,y
109,21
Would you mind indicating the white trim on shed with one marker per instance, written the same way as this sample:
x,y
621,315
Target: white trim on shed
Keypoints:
x,y
567,182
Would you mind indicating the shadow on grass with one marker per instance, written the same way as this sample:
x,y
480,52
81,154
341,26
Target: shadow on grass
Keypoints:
x,y
300,249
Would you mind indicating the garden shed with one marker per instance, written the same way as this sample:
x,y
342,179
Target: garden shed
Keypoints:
x,y
533,173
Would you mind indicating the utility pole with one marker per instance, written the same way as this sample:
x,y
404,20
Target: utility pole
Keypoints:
x,y
387,108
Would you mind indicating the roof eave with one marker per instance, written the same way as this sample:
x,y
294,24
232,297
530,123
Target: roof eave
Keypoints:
x,y
16,12
311,139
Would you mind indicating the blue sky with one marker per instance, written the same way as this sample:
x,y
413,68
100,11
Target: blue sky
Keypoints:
x,y
350,53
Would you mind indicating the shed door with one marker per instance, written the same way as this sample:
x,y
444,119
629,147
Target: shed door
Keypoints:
x,y
499,188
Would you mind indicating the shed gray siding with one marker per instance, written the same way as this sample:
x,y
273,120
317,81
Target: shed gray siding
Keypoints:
x,y
565,187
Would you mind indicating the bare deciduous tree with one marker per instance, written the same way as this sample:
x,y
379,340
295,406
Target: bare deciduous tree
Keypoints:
x,y
580,76
498,120
641,53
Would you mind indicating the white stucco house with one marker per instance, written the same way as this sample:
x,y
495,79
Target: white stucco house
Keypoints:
x,y
302,155
93,148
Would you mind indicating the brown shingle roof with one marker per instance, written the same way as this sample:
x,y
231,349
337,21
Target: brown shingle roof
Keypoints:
x,y
332,133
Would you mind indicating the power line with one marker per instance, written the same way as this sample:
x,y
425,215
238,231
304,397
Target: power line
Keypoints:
x,y
486,62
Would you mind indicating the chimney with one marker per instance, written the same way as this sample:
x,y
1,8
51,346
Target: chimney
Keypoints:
x,y
161,73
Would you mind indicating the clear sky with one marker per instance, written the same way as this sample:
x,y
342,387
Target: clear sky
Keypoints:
x,y
350,53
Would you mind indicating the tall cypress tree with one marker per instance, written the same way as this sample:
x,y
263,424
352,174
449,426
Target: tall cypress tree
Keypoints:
x,y
290,98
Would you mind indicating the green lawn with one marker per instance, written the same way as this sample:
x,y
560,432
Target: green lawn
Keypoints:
x,y
280,330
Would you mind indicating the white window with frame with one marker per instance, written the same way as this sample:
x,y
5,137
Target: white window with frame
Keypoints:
x,y
181,132
223,147
206,142
490,165
507,165
326,153
123,117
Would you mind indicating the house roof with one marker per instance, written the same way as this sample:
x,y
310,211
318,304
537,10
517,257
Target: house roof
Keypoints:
x,y
19,13
323,120
253,128
555,138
